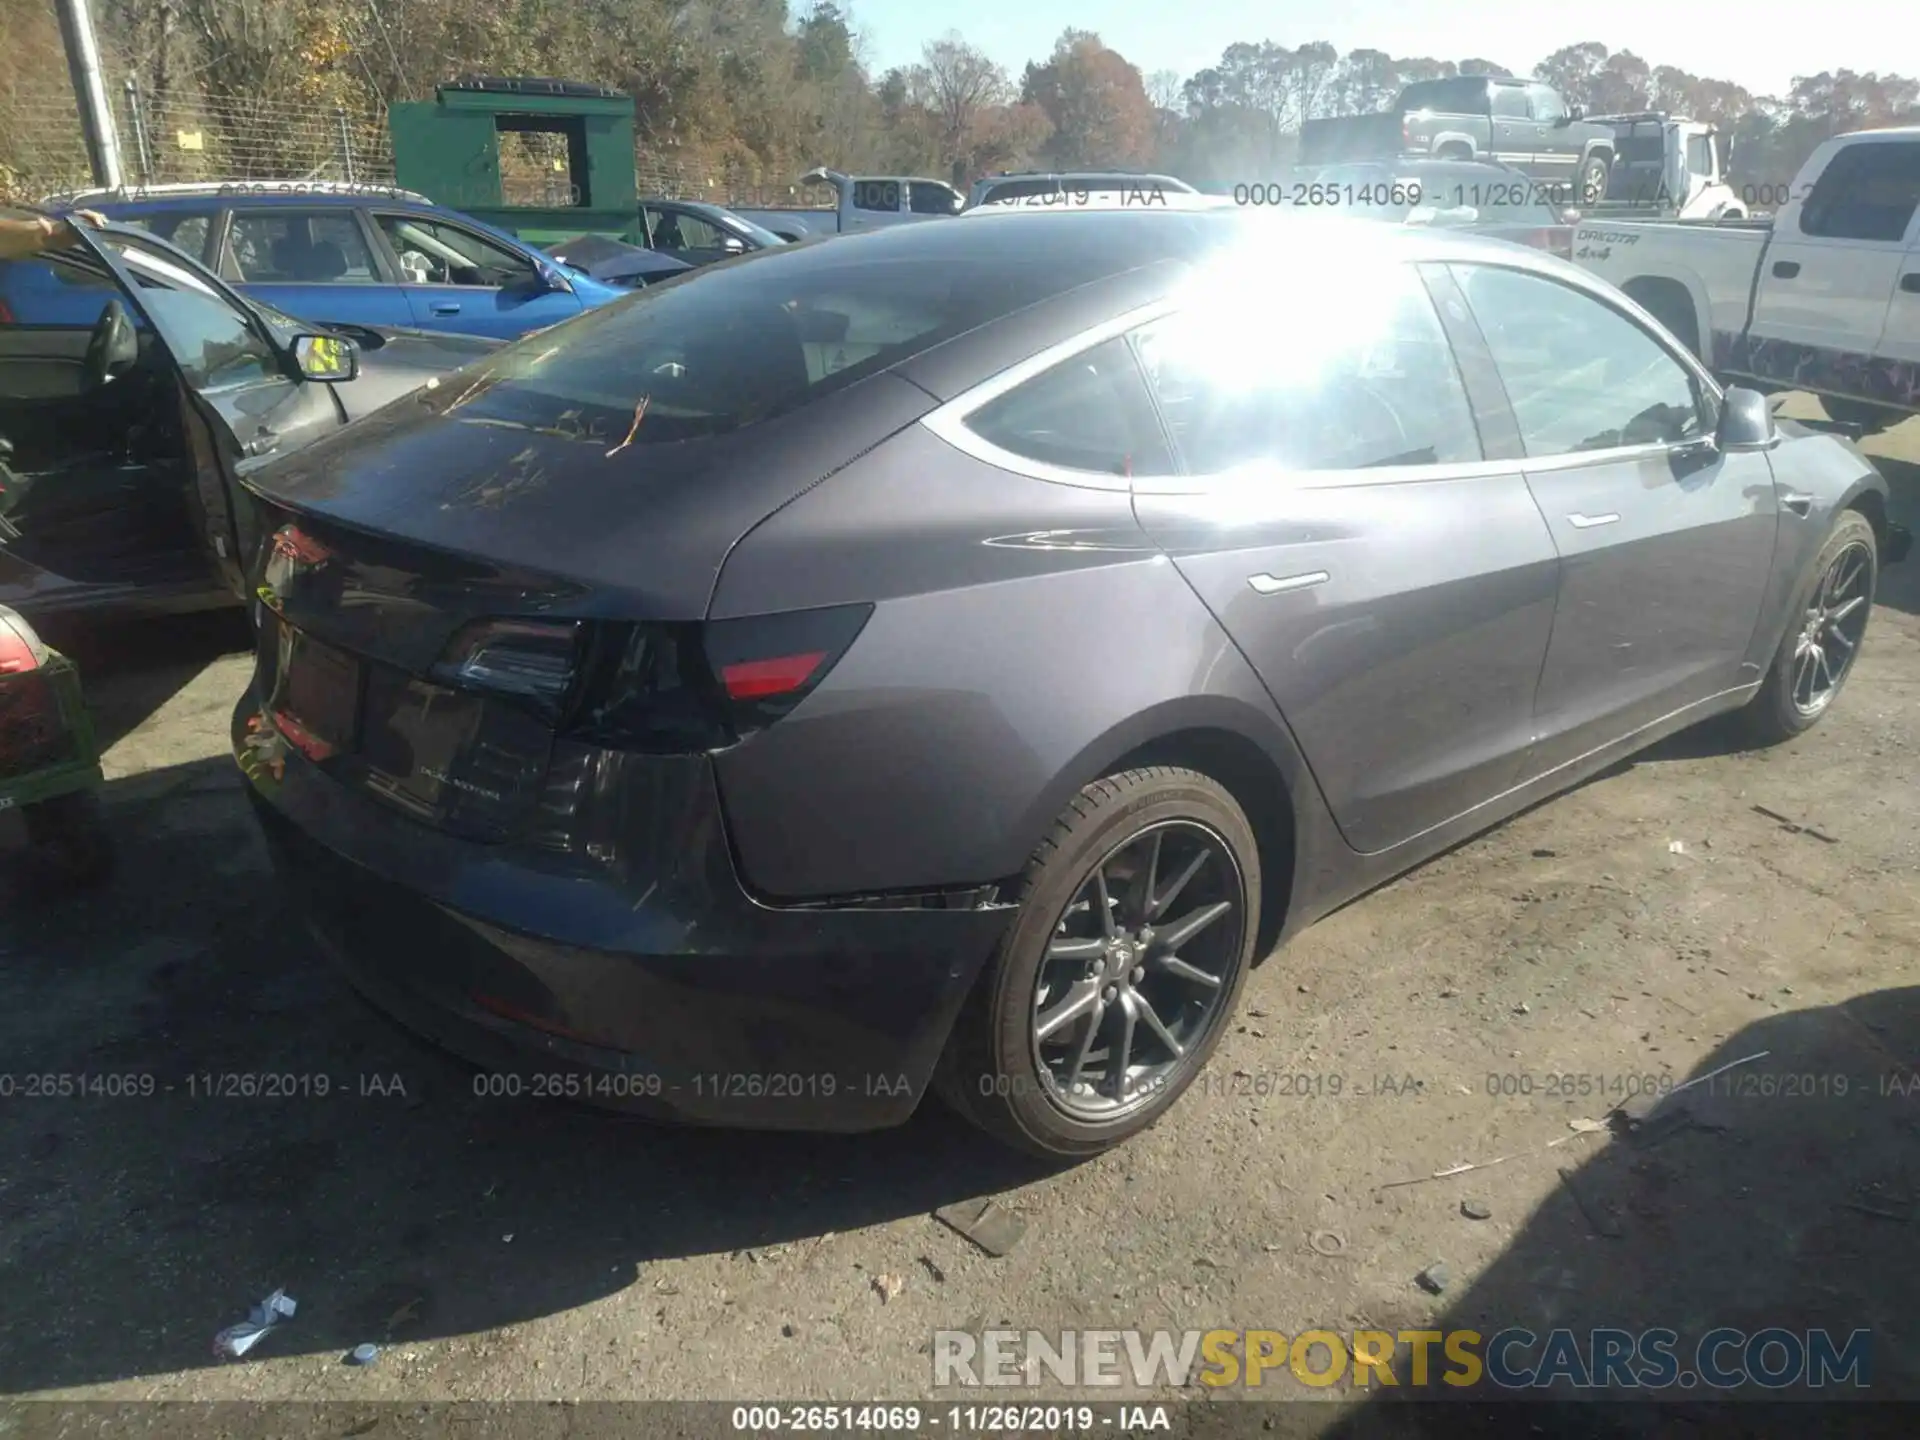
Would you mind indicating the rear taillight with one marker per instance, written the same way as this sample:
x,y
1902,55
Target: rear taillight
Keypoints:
x,y
20,649
660,688
767,664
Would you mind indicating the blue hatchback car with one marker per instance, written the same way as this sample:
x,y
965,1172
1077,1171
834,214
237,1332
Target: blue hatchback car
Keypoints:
x,y
364,255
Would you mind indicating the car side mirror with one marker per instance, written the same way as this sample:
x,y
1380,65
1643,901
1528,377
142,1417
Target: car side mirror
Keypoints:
x,y
1576,112
114,347
548,280
330,358
733,245
1746,421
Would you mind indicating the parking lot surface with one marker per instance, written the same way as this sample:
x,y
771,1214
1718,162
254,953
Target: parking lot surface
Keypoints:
x,y
1692,909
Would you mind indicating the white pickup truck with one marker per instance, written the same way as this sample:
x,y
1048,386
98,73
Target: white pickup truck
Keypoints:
x,y
1822,296
861,202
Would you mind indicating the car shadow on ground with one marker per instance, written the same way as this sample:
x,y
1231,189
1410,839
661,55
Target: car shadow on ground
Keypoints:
x,y
130,670
140,1223
1784,1192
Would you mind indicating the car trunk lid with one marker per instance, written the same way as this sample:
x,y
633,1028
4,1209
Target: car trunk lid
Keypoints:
x,y
390,545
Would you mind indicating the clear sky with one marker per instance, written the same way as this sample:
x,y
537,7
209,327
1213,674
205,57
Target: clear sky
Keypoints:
x,y
1754,44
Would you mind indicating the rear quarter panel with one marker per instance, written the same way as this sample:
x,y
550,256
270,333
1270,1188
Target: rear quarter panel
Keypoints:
x,y
1025,636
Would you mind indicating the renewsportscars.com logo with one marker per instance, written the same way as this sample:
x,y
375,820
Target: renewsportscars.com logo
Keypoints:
x,y
1514,1359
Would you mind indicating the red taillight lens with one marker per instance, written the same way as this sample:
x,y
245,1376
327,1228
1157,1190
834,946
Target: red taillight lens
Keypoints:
x,y
20,650
761,679
681,688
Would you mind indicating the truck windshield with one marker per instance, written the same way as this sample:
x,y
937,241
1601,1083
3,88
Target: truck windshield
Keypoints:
x,y
1449,97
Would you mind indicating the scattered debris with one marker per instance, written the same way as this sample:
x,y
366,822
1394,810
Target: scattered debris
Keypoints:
x,y
1545,854
1433,1279
237,1340
1523,1008
786,1330
888,1286
987,1223
1601,1219
405,1314
1676,847
363,1354
1586,1127
507,1239
934,1272
639,414
1876,1200
1637,1110
1476,1209
1328,1243
1903,1214
1793,827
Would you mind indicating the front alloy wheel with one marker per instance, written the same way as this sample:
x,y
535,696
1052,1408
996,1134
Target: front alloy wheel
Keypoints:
x,y
1834,625
1138,918
1816,654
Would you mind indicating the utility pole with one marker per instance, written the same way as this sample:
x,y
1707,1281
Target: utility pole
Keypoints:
x,y
90,92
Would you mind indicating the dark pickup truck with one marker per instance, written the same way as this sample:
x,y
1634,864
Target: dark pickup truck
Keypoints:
x,y
1520,123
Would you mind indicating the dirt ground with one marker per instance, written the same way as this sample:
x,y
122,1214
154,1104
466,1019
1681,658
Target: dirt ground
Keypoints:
x,y
1663,920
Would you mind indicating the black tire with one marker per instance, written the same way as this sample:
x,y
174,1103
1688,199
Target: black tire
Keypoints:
x,y
1593,179
1673,308
69,844
1865,414
1774,713
992,1071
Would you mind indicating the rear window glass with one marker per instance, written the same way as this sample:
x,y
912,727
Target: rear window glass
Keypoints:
x,y
1457,97
741,345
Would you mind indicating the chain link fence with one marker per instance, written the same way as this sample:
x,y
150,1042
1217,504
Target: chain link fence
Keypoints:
x,y
184,137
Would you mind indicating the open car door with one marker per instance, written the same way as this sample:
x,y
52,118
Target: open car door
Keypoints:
x,y
93,460
231,369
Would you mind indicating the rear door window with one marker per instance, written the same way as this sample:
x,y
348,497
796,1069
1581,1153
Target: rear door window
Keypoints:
x,y
300,247
1510,102
1380,388
188,230
1089,413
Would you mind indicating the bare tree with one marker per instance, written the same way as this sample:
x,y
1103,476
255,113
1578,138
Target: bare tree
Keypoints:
x,y
1165,90
960,86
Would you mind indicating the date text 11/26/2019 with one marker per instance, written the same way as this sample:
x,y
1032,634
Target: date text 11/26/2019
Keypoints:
x,y
999,1420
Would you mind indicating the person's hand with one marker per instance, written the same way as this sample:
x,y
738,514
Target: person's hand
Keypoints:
x,y
62,234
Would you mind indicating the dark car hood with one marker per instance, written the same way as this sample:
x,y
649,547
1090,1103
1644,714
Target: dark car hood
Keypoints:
x,y
394,361
641,530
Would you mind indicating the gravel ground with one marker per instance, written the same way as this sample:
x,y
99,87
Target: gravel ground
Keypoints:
x,y
1653,923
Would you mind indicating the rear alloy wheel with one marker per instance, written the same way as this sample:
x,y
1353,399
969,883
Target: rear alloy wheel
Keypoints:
x,y
1593,181
1817,653
1108,995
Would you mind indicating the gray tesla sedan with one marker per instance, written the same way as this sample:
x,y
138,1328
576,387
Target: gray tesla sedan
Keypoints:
x,y
949,657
